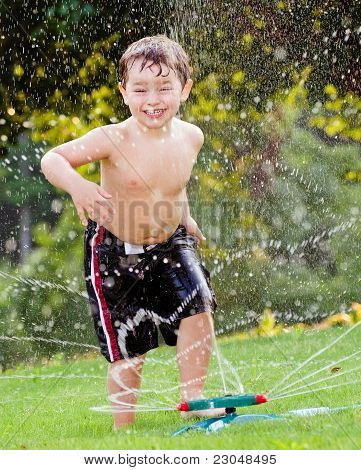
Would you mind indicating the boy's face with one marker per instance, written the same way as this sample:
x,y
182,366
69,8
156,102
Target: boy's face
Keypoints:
x,y
144,92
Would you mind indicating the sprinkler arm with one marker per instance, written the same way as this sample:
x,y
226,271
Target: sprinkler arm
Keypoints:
x,y
231,401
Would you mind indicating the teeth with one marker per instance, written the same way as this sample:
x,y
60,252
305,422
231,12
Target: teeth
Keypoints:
x,y
155,112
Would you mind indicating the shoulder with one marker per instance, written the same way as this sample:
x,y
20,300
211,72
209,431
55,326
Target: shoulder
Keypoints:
x,y
111,129
195,134
109,133
98,133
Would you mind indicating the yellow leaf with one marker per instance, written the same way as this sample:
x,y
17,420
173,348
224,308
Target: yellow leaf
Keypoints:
x,y
335,105
220,115
339,319
40,72
238,77
356,306
266,324
355,133
18,70
247,40
216,166
331,90
216,143
335,126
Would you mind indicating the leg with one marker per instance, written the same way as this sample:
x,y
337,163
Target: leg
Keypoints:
x,y
124,379
194,347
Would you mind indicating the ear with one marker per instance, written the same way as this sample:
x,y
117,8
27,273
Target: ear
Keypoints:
x,y
186,90
123,91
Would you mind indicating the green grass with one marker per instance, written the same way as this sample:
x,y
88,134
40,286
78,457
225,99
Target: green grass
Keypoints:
x,y
54,413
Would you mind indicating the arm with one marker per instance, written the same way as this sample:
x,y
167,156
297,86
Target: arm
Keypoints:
x,y
188,221
58,164
58,167
186,212
59,172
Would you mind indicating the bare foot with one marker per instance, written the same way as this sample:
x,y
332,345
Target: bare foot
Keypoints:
x,y
211,413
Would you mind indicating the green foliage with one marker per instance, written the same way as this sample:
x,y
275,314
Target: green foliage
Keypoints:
x,y
23,184
286,205
59,124
46,296
338,115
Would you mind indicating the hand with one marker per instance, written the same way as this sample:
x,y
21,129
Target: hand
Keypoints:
x,y
193,229
94,199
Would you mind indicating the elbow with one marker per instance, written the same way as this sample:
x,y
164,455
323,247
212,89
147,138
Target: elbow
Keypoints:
x,y
43,163
47,162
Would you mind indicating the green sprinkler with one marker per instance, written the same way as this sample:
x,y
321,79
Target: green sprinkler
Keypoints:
x,y
229,403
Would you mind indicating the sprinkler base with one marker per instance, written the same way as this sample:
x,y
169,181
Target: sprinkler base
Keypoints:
x,y
215,424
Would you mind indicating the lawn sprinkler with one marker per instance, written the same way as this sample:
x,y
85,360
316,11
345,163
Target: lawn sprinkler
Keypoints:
x,y
230,403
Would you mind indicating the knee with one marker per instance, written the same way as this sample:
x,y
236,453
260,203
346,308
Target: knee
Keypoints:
x,y
132,365
203,322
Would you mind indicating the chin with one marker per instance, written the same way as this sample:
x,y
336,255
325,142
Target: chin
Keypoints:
x,y
156,123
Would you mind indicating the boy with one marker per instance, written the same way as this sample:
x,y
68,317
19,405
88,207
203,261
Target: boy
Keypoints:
x,y
140,260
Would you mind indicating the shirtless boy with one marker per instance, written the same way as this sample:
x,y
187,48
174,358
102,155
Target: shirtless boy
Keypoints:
x,y
140,259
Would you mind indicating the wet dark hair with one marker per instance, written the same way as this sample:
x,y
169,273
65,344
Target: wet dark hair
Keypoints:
x,y
159,49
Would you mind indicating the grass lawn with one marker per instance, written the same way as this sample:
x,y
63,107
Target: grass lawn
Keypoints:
x,y
53,411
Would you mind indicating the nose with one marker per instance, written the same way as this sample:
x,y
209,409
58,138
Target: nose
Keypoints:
x,y
153,98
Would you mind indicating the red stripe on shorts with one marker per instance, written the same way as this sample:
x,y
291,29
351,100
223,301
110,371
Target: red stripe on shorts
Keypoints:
x,y
106,314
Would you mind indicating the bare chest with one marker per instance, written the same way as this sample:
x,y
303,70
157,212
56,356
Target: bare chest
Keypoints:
x,y
135,170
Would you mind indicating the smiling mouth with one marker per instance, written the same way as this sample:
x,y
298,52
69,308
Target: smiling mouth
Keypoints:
x,y
155,113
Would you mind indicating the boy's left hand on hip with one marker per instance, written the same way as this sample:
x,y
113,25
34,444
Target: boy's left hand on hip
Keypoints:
x,y
193,229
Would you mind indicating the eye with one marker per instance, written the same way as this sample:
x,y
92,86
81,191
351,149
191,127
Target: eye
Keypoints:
x,y
166,89
139,91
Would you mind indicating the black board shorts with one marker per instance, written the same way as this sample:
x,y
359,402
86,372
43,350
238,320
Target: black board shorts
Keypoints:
x,y
131,295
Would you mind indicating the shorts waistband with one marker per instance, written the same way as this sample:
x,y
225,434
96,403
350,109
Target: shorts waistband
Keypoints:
x,y
133,249
130,248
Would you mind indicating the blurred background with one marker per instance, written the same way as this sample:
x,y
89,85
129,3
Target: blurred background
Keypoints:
x,y
276,189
